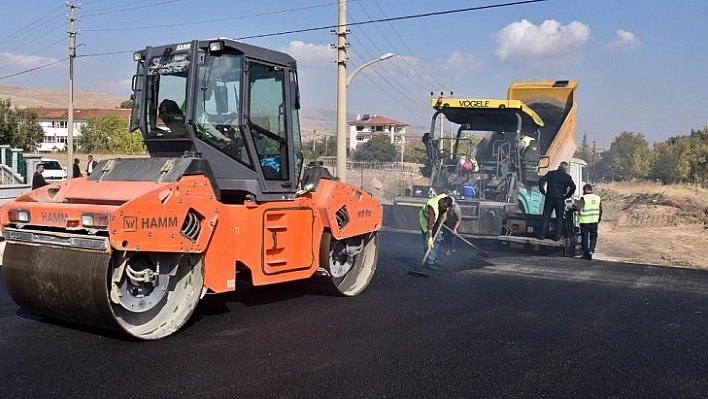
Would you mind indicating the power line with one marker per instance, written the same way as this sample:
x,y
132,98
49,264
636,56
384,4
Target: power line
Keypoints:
x,y
398,88
32,24
29,55
370,54
395,65
405,17
262,14
391,63
411,104
118,9
33,69
401,18
34,36
410,52
106,53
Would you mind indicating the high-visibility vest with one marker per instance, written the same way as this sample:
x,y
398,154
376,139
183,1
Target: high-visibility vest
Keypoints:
x,y
423,214
590,212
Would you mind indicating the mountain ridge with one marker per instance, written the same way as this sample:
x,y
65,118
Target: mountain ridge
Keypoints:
x,y
314,122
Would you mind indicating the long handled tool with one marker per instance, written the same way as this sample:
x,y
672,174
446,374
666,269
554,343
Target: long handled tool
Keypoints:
x,y
418,270
480,253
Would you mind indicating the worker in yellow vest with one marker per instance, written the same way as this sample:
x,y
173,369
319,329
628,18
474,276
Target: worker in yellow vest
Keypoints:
x,y
589,215
431,216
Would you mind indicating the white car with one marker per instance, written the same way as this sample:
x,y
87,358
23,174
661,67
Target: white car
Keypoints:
x,y
53,171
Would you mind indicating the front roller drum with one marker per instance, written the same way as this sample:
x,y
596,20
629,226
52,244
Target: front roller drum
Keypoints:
x,y
148,295
60,283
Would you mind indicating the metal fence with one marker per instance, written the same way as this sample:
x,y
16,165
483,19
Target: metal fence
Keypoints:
x,y
405,167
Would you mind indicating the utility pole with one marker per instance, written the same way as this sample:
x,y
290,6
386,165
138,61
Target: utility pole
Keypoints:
x,y
70,112
342,91
594,149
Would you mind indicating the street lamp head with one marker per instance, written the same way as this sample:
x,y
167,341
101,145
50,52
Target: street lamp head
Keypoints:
x,y
386,56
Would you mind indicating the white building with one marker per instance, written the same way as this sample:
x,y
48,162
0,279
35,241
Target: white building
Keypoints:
x,y
367,126
55,123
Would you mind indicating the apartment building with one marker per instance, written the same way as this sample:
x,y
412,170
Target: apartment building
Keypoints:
x,y
55,123
367,126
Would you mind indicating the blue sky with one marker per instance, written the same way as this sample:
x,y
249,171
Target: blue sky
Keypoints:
x,y
641,64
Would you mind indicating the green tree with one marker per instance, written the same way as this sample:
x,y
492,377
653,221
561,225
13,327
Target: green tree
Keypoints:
x,y
110,134
30,132
321,145
414,151
699,155
8,122
672,160
584,152
19,128
127,104
628,158
127,142
379,148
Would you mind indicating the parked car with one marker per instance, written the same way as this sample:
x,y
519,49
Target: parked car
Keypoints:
x,y
53,170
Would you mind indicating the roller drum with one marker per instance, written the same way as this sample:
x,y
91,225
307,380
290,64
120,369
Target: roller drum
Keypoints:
x,y
62,283
147,295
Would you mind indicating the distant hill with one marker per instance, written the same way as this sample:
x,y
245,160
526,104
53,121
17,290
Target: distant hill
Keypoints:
x,y
29,97
321,121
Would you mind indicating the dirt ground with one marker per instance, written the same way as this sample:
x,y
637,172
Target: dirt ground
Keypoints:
x,y
654,224
642,222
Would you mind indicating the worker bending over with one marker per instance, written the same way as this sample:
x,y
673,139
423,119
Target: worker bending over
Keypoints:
x,y
431,216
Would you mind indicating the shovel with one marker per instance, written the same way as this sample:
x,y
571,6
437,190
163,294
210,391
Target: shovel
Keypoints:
x,y
480,253
418,270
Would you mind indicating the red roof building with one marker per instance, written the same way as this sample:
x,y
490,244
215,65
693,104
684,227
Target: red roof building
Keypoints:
x,y
367,126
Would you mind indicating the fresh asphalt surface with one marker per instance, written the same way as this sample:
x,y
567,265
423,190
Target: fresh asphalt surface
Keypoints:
x,y
503,326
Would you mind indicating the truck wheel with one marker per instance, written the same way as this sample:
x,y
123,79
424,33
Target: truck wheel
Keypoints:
x,y
349,263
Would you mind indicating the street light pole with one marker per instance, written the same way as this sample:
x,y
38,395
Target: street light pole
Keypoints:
x,y
70,108
343,82
383,57
342,91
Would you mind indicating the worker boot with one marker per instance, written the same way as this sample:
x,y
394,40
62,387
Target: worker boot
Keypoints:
x,y
434,265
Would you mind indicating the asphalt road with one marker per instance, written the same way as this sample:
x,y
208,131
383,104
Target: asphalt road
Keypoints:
x,y
502,326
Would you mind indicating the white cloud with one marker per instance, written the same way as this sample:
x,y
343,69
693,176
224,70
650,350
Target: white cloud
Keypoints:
x,y
310,54
23,61
550,44
623,41
460,63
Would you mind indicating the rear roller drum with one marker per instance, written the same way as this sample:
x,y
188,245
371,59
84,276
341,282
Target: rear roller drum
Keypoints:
x,y
349,263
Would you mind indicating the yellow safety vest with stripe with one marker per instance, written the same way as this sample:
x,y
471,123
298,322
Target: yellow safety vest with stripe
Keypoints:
x,y
423,214
590,212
